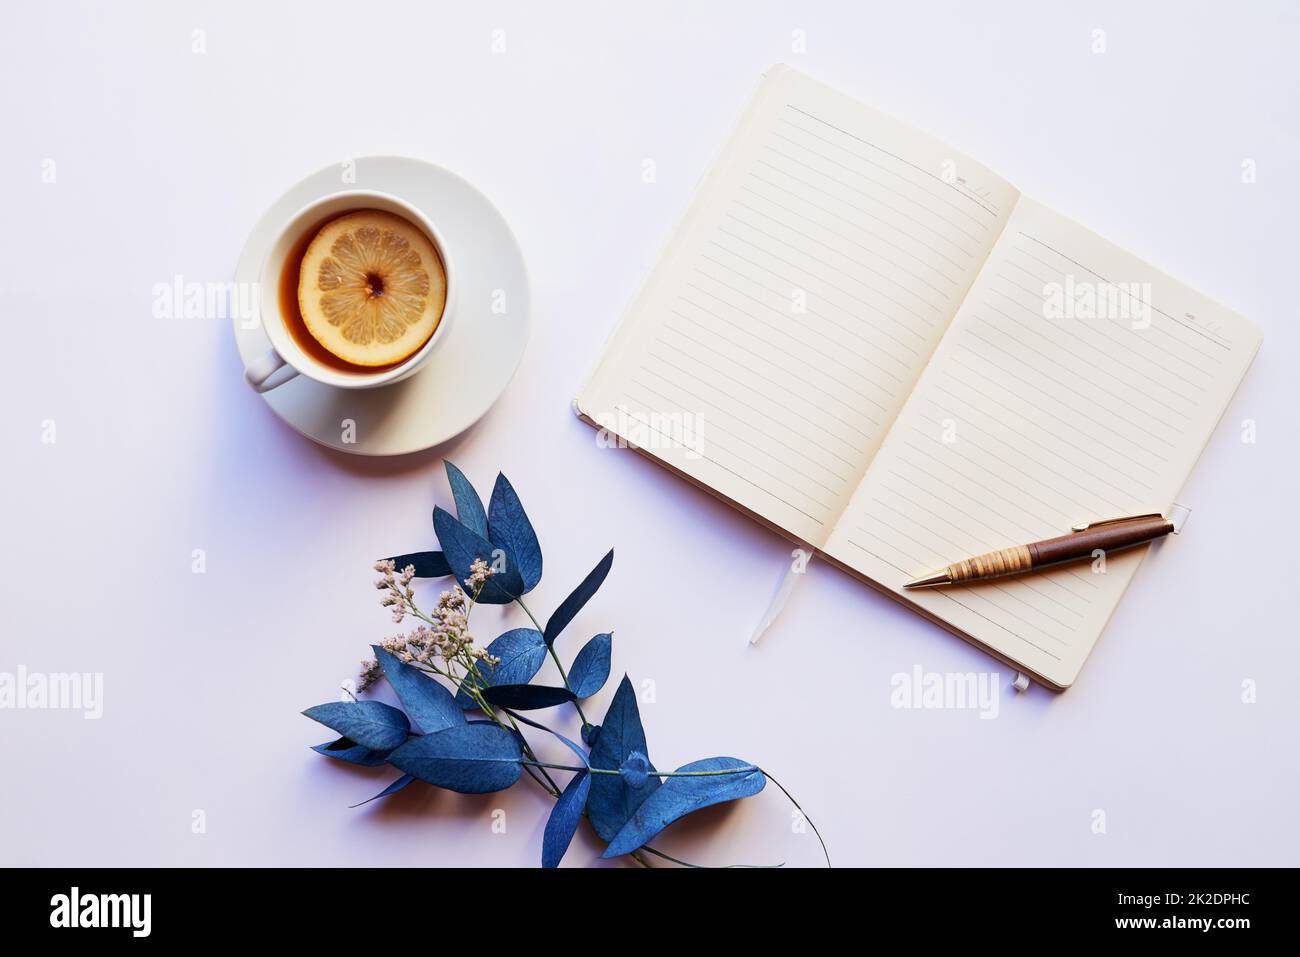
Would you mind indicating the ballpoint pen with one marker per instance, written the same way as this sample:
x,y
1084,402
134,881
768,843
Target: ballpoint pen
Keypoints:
x,y
1083,542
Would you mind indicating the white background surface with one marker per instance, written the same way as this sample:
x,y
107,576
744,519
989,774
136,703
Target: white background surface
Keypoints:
x,y
164,160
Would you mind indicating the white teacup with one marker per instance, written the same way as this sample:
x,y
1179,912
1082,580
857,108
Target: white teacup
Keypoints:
x,y
286,358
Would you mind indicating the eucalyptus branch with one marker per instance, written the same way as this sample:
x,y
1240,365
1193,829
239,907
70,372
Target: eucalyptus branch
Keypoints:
x,y
469,685
556,658
483,756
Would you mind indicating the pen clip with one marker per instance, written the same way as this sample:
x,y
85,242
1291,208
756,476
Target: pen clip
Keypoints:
x,y
1084,526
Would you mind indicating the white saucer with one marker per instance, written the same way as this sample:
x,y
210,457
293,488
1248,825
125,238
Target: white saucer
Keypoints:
x,y
466,373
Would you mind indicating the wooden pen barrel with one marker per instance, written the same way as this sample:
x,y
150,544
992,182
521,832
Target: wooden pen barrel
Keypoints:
x,y
1005,561
1108,537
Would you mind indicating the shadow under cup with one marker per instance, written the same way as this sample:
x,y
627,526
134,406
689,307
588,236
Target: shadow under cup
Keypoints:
x,y
281,317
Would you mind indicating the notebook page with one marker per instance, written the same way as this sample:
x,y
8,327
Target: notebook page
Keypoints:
x,y
788,318
1075,384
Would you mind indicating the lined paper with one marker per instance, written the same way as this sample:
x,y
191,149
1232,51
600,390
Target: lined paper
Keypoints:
x,y
1026,422
877,346
810,281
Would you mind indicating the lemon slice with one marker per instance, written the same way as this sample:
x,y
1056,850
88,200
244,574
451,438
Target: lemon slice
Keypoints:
x,y
371,288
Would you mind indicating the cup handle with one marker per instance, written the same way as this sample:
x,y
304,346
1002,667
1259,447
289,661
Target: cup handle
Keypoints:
x,y
261,373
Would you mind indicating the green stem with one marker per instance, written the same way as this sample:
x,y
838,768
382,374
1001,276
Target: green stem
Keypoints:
x,y
528,750
657,774
473,691
483,706
536,624
805,816
556,658
540,783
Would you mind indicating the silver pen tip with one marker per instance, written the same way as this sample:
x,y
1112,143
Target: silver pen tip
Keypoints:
x,y
929,581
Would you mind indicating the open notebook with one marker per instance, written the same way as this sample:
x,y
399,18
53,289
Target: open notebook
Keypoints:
x,y
880,348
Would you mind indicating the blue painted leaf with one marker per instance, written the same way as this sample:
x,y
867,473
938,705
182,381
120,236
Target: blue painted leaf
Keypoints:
x,y
526,697
563,822
372,724
582,755
590,732
523,743
590,668
427,702
345,749
469,507
469,758
521,651
462,545
579,597
463,700
680,796
509,528
393,788
427,564
612,802
635,770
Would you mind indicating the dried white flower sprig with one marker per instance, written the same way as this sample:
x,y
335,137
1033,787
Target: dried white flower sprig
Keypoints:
x,y
441,643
